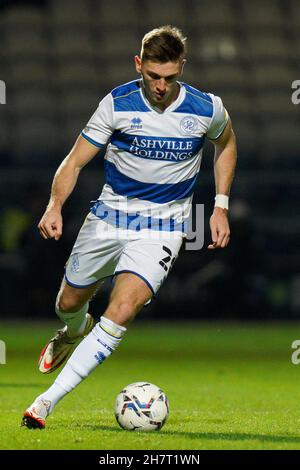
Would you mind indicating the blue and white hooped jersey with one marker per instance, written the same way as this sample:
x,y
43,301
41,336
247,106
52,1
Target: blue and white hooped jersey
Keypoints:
x,y
153,157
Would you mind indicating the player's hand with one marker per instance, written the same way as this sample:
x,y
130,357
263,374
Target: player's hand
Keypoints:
x,y
219,227
50,225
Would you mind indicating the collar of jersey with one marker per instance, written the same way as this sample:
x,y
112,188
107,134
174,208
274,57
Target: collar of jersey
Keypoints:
x,y
171,107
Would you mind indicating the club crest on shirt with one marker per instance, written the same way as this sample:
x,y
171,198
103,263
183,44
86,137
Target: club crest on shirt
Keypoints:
x,y
189,124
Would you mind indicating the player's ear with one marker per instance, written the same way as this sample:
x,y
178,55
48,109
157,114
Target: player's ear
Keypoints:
x,y
182,66
138,64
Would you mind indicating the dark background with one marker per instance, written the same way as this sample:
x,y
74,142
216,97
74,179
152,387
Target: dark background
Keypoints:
x,y
59,58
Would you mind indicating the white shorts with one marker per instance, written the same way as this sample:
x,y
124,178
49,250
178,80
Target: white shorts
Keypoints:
x,y
102,250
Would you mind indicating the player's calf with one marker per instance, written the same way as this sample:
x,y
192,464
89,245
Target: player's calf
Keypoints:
x,y
128,296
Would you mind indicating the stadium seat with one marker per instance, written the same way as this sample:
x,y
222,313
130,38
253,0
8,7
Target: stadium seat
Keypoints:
x,y
69,7
192,74
217,15
73,126
294,17
34,102
296,42
216,47
248,142
276,104
269,47
82,74
123,15
4,136
68,47
37,142
31,45
123,74
30,74
224,75
281,143
276,75
157,13
238,103
23,19
267,14
79,103
120,45
69,14
4,70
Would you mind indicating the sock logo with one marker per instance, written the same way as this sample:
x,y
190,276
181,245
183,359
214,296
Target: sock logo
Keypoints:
x,y
100,357
105,345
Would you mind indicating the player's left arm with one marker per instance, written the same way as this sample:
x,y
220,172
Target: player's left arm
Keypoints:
x,y
224,168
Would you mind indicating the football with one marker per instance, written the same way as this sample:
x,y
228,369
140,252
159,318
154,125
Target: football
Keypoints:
x,y
141,406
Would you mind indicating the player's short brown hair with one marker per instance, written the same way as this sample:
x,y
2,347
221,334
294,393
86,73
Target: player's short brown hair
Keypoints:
x,y
163,44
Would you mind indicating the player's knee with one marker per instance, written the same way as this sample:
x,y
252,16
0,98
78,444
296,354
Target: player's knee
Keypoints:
x,y
67,304
123,311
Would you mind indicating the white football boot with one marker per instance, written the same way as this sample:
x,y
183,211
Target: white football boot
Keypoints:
x,y
34,417
58,349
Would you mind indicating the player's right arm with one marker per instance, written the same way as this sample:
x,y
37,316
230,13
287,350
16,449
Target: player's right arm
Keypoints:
x,y
50,225
94,136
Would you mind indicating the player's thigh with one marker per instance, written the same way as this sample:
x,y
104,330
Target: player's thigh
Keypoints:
x,y
73,298
94,255
150,257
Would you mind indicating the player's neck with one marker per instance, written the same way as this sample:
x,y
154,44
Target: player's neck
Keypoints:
x,y
162,106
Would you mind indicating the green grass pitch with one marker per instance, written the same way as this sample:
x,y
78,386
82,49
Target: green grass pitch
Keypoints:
x,y
229,387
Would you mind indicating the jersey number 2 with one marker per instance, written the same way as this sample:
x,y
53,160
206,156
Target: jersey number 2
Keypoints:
x,y
168,261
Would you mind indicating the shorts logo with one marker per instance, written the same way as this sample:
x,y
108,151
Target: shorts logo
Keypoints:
x,y
86,129
136,123
189,124
75,263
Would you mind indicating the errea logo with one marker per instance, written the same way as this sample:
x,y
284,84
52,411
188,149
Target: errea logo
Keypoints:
x,y
136,123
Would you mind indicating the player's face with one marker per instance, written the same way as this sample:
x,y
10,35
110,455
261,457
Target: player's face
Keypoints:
x,y
160,80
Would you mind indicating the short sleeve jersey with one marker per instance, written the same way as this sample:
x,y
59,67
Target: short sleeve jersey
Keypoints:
x,y
153,158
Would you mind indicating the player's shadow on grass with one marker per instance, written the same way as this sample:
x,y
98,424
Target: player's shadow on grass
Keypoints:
x,y
234,436
206,435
